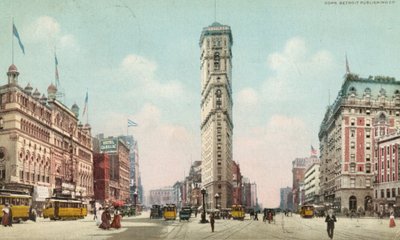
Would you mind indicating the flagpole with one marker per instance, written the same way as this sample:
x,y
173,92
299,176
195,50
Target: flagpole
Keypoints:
x,y
12,40
87,108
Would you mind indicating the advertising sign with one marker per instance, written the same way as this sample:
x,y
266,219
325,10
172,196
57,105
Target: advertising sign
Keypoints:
x,y
108,145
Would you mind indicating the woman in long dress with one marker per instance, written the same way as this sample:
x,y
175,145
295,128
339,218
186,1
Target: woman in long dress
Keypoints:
x,y
116,223
99,212
6,216
105,219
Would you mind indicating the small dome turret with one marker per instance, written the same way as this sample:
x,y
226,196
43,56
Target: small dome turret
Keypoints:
x,y
75,110
12,74
51,92
36,94
12,68
28,89
43,99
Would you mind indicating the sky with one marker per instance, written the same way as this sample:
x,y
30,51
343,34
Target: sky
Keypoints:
x,y
140,60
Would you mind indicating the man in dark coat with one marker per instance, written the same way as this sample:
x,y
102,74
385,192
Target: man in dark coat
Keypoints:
x,y
330,221
212,221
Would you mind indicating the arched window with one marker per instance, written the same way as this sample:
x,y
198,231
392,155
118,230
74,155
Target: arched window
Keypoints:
x,y
216,61
353,203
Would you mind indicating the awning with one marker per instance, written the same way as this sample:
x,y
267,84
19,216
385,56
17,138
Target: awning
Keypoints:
x,y
118,203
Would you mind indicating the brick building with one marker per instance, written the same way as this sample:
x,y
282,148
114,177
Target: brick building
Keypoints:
x,y
364,108
101,176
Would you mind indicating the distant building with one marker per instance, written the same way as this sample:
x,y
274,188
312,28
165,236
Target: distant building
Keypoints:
x,y
193,196
311,184
236,183
253,189
299,166
162,196
118,154
387,184
134,173
284,201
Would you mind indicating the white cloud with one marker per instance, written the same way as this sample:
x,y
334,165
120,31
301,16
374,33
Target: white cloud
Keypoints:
x,y
248,97
142,68
295,68
67,41
141,73
47,30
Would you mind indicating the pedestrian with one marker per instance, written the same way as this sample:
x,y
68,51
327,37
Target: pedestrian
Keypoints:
x,y
256,215
391,221
5,218
212,221
105,219
269,216
195,213
330,221
98,216
94,212
10,216
116,223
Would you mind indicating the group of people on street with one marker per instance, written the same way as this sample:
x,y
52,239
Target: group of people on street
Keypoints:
x,y
7,218
103,218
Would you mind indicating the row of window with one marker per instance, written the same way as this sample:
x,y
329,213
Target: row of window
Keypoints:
x,y
389,193
27,176
14,201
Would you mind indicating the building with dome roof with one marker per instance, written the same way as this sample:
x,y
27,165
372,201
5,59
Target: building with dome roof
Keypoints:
x,y
43,149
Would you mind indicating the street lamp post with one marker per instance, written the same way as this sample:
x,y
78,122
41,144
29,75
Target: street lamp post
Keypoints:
x,y
135,194
216,200
203,215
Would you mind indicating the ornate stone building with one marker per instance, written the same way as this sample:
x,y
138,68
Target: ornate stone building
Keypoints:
x,y
216,113
43,148
347,139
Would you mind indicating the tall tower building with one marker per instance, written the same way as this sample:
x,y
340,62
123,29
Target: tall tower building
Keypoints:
x,y
216,114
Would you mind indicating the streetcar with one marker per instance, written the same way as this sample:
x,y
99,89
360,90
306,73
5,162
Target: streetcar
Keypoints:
x,y
307,211
169,212
61,208
238,212
19,201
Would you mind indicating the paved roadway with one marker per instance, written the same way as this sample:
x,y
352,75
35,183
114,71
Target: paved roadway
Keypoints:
x,y
141,227
293,227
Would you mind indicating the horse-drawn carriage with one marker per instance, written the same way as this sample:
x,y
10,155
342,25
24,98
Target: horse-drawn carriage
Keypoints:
x,y
156,212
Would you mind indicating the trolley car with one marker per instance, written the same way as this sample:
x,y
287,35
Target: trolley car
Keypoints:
x,y
170,212
58,208
19,201
237,212
307,211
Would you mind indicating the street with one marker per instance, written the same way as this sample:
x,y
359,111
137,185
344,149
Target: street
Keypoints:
x,y
141,227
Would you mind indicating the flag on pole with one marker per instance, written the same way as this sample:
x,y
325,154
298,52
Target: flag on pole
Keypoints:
x,y
15,32
347,66
313,151
131,123
86,103
57,76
